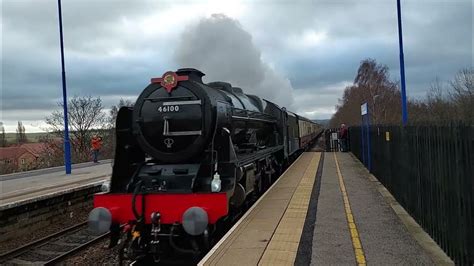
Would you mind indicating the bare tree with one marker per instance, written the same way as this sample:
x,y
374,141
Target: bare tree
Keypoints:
x,y
84,115
20,133
438,107
109,138
462,94
53,154
445,104
114,111
372,85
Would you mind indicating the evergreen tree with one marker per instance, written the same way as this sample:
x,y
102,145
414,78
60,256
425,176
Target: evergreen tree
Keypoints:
x,y
3,138
20,133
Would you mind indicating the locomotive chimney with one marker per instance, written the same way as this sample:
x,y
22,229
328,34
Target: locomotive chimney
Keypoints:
x,y
192,73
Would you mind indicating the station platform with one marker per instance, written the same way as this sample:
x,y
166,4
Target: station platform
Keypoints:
x,y
20,187
326,209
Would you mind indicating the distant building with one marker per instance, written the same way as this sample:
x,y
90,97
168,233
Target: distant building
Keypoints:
x,y
21,158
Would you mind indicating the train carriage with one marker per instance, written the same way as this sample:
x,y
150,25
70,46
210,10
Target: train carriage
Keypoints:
x,y
308,131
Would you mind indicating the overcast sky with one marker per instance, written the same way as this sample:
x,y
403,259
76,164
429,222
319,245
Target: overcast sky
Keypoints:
x,y
300,54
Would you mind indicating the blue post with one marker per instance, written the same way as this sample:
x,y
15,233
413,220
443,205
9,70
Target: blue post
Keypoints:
x,y
363,113
362,138
369,159
402,67
67,144
365,136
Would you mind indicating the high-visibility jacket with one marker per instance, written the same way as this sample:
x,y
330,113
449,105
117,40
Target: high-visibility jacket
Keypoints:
x,y
96,143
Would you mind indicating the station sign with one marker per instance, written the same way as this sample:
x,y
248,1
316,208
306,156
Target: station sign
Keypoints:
x,y
363,109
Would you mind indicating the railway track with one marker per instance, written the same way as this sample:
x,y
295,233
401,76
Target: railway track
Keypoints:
x,y
53,248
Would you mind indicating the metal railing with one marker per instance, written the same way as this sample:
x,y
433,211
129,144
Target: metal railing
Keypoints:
x,y
430,171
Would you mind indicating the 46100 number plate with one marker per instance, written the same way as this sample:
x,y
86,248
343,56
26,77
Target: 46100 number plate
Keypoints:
x,y
168,108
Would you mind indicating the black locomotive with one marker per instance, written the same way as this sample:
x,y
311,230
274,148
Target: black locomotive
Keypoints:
x,y
188,156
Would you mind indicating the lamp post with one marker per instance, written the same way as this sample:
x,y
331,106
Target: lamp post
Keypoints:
x,y
67,144
402,67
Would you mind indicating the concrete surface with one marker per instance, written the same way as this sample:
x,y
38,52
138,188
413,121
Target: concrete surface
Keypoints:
x,y
252,237
385,240
366,224
435,252
51,170
331,239
27,187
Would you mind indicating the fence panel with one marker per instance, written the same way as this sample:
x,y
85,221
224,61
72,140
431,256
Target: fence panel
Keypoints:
x,y
430,171
331,138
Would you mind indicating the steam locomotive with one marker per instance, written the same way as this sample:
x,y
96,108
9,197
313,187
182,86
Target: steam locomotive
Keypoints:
x,y
189,155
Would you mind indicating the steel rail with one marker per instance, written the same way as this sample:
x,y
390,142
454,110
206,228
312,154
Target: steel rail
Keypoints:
x,y
12,254
77,249
22,249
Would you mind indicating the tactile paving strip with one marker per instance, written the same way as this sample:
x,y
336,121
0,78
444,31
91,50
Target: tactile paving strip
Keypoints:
x,y
283,246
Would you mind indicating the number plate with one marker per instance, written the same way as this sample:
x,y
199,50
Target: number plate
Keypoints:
x,y
168,109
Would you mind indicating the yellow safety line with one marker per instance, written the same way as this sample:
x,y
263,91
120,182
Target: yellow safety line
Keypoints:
x,y
358,250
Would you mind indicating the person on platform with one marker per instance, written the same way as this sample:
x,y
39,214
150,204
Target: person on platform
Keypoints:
x,y
343,137
96,143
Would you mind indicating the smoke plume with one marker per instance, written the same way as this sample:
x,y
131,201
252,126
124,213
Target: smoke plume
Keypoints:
x,y
224,51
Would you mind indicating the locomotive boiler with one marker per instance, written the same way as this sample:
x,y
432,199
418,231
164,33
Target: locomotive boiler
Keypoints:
x,y
188,156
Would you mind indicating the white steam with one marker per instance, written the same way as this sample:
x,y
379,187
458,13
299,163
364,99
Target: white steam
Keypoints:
x,y
219,47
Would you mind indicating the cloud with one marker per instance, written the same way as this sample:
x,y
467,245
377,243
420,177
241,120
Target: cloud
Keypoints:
x,y
103,57
113,47
320,102
222,49
438,37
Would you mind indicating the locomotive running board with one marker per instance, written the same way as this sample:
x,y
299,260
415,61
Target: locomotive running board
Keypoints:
x,y
249,158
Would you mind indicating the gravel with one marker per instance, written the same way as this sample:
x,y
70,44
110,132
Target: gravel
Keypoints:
x,y
97,254
78,216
